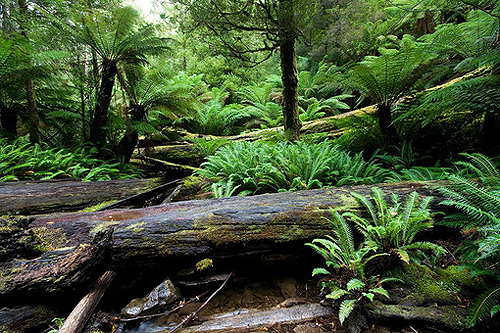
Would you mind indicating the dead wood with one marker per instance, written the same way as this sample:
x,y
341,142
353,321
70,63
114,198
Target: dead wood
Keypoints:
x,y
236,225
78,318
55,271
36,197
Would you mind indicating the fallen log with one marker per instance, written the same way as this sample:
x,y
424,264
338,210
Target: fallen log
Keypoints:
x,y
244,320
37,197
55,271
210,227
78,318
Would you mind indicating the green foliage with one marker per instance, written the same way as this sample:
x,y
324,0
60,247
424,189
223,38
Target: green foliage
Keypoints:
x,y
34,162
479,211
391,75
217,118
340,252
392,228
208,147
262,167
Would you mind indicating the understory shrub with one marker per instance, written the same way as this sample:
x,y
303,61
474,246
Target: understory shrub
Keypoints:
x,y
270,167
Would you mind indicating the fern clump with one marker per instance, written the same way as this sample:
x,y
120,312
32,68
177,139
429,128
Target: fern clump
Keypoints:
x,y
21,159
388,233
266,167
341,253
478,206
392,228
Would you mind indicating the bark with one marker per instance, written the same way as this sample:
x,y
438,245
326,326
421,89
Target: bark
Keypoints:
x,y
131,137
36,197
27,318
289,76
100,116
216,227
56,271
78,318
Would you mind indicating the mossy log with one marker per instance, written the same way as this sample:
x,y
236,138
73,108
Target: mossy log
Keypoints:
x,y
36,197
56,271
205,228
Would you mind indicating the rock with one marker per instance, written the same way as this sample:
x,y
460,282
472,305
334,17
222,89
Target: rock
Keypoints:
x,y
288,287
157,300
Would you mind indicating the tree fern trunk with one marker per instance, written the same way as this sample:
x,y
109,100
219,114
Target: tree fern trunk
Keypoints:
x,y
289,74
389,134
8,120
104,94
30,89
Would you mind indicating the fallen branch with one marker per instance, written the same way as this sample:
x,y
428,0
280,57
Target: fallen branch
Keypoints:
x,y
191,316
78,318
178,307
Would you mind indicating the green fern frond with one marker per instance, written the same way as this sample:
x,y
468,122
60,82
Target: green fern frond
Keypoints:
x,y
482,306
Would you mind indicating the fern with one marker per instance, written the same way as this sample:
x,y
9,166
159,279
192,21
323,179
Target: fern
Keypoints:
x,y
483,305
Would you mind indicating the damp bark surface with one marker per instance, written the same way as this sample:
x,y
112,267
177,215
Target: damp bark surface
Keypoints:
x,y
36,197
203,228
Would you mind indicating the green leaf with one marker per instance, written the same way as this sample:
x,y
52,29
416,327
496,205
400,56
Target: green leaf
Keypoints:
x,y
495,309
403,255
336,292
317,271
355,284
380,291
346,308
369,296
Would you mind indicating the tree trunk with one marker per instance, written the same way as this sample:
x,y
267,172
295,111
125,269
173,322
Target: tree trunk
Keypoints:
x,y
33,113
206,228
56,271
389,133
131,137
289,76
100,116
8,120
33,122
37,197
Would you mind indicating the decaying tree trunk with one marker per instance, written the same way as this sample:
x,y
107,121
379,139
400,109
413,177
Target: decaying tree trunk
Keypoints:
x,y
56,271
236,225
36,197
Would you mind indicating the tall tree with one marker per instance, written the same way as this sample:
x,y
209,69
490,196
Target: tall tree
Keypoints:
x,y
114,38
252,30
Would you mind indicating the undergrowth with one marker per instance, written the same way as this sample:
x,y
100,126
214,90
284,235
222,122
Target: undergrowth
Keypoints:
x,y
262,167
22,160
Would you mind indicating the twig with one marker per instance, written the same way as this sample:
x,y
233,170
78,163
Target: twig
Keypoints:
x,y
192,315
180,306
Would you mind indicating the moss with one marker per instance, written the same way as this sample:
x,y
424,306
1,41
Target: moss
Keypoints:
x,y
137,227
98,206
102,226
204,264
292,233
49,239
462,276
428,287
